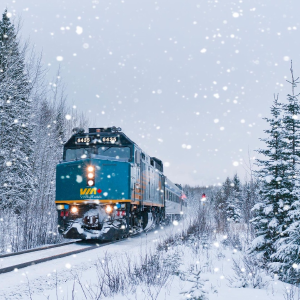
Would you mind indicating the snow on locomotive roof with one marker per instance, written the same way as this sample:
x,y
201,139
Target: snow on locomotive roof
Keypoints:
x,y
107,129
85,138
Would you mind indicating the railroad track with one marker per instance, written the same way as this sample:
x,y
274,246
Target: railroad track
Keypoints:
x,y
38,249
11,266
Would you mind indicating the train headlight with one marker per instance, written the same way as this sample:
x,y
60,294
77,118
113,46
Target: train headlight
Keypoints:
x,y
74,210
91,169
108,209
90,175
60,206
91,182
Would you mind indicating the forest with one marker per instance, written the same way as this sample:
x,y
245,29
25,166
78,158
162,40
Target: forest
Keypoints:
x,y
36,119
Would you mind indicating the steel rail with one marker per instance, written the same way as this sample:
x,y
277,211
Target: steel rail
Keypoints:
x,y
41,260
38,249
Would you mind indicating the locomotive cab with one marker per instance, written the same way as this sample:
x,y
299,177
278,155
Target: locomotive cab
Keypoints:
x,y
93,184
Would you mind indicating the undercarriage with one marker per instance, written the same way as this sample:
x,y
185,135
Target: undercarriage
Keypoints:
x,y
94,222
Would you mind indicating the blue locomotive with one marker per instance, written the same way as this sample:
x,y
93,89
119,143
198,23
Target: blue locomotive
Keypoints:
x,y
107,187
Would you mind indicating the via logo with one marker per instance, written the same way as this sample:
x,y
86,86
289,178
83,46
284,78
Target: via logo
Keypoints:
x,y
90,191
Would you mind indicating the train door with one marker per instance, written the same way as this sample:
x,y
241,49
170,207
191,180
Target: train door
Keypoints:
x,y
161,187
181,203
157,187
133,182
144,179
149,183
137,173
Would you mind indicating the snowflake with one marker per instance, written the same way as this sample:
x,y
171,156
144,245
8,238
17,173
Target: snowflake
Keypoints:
x,y
79,30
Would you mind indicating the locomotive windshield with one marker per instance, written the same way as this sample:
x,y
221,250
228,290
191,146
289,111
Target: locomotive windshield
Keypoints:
x,y
76,154
122,153
111,152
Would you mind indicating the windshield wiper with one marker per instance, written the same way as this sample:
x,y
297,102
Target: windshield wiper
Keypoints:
x,y
107,149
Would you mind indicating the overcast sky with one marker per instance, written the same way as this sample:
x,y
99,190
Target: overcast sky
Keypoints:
x,y
189,81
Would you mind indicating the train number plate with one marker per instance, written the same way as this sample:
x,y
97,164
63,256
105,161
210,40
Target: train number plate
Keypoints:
x,y
109,139
82,140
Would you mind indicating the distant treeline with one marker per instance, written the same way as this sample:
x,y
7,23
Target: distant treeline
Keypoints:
x,y
231,202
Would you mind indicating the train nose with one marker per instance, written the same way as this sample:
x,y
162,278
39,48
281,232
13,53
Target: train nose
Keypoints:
x,y
93,179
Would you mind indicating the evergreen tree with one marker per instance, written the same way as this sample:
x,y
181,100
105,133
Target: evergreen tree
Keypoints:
x,y
16,142
286,259
220,204
270,216
234,200
291,150
227,189
220,211
230,192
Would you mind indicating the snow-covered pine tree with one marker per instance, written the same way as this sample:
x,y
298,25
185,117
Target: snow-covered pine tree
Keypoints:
x,y
227,189
220,205
250,197
234,200
286,259
270,217
291,151
16,141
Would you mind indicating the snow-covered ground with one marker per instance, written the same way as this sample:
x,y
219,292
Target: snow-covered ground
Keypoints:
x,y
81,276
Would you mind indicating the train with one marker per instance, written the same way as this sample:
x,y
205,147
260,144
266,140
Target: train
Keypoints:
x,y
108,188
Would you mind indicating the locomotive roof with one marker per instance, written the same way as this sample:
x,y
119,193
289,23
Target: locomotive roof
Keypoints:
x,y
124,139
